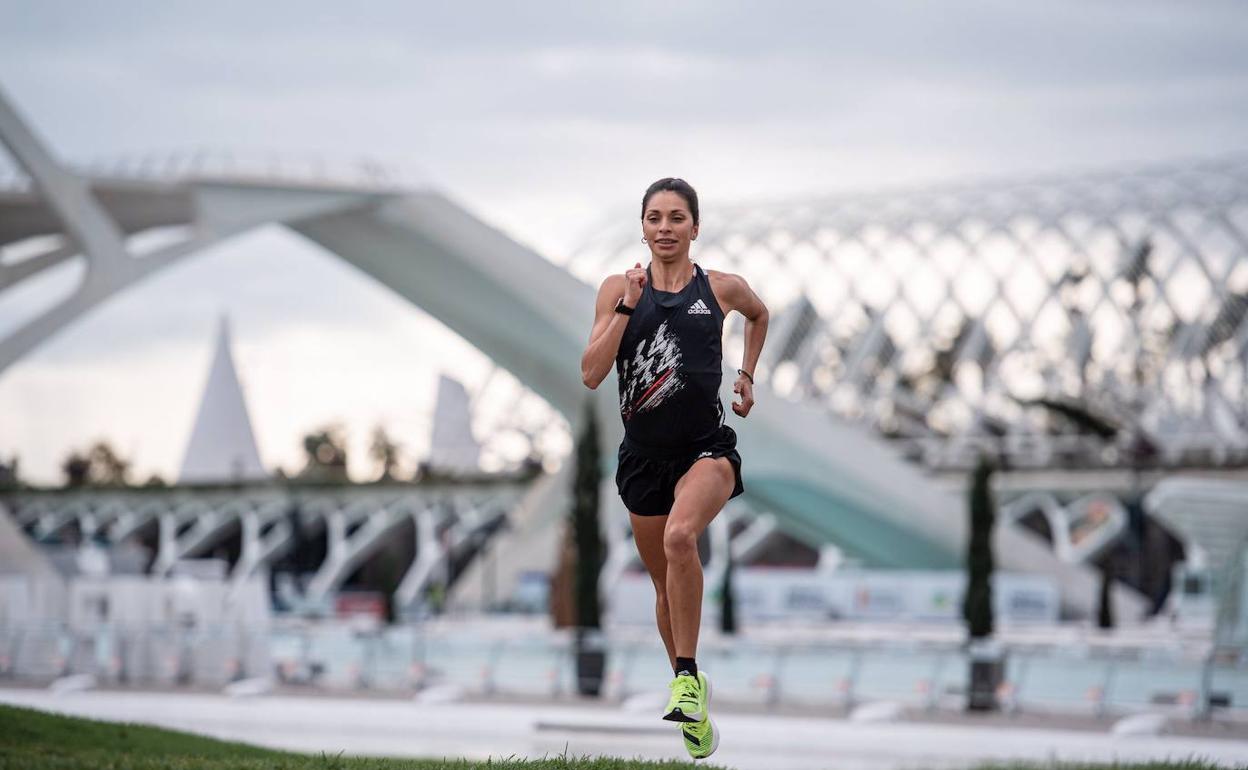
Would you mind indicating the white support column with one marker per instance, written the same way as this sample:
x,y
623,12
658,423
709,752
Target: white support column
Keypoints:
x,y
30,511
335,556
209,526
261,547
11,275
249,553
276,541
620,554
88,523
345,553
274,513
131,521
429,555
54,520
170,523
717,564
752,539
109,513
68,194
166,544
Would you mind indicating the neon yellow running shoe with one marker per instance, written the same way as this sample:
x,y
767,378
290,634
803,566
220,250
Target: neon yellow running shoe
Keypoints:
x,y
689,698
701,738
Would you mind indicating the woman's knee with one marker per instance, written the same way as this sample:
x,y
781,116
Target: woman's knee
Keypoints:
x,y
679,541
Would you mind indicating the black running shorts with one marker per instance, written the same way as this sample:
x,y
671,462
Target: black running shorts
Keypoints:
x,y
646,476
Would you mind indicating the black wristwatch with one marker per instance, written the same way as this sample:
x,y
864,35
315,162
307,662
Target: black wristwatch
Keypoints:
x,y
620,307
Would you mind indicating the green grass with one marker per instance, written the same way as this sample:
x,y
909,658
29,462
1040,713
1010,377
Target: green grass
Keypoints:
x,y
34,739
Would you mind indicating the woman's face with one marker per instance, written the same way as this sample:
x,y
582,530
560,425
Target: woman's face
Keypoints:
x,y
668,226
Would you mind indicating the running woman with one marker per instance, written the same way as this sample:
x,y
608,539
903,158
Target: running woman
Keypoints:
x,y
678,464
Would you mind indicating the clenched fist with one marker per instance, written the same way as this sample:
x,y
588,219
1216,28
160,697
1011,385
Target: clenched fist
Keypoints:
x,y
745,389
634,280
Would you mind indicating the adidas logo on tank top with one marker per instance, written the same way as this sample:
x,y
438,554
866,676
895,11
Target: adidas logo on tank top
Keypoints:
x,y
699,308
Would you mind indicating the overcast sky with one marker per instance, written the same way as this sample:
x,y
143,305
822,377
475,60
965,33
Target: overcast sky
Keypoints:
x,y
543,118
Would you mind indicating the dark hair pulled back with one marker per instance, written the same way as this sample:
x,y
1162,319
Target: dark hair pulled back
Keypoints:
x,y
678,186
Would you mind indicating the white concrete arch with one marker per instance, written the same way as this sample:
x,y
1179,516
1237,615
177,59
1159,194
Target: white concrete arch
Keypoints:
x,y
828,480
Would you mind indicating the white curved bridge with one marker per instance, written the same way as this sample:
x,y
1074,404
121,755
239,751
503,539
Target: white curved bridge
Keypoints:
x,y
825,480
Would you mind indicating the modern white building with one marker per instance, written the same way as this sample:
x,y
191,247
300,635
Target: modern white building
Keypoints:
x,y
222,445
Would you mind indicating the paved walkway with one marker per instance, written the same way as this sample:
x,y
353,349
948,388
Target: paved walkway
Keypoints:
x,y
372,726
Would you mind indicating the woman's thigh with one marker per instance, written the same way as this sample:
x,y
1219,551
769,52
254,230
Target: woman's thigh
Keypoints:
x,y
648,534
702,492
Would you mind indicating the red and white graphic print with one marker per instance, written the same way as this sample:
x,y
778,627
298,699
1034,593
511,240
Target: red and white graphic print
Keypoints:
x,y
652,375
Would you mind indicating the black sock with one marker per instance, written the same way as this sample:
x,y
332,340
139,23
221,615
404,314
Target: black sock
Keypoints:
x,y
687,666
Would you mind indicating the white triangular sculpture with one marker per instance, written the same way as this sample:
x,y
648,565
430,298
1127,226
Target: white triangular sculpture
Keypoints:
x,y
222,445
453,447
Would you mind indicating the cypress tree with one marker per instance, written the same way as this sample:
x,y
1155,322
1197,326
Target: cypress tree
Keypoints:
x,y
585,527
1105,615
977,603
728,599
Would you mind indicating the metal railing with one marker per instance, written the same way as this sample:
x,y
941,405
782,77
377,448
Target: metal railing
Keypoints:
x,y
134,654
833,675
287,168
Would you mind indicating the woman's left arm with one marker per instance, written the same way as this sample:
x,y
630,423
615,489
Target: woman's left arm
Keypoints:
x,y
737,295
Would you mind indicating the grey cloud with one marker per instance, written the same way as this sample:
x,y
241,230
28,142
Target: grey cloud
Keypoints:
x,y
301,45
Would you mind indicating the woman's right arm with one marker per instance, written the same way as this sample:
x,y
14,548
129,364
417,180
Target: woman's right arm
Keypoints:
x,y
609,326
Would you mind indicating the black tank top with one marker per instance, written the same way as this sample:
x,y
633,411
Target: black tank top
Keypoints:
x,y
670,365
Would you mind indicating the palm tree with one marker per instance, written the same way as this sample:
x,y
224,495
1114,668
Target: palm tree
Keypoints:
x,y
385,452
107,467
9,478
77,469
326,455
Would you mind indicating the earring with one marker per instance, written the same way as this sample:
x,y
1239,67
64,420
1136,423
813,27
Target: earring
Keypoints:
x,y
643,240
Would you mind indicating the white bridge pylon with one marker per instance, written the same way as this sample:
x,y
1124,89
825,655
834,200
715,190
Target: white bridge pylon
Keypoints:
x,y
356,524
825,481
